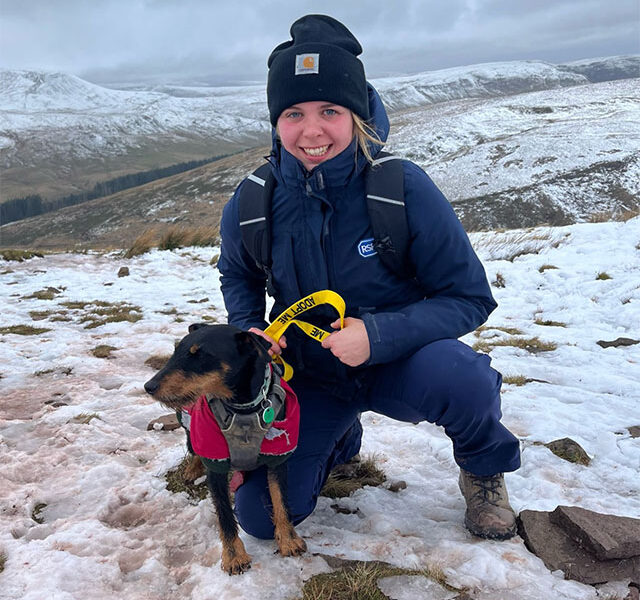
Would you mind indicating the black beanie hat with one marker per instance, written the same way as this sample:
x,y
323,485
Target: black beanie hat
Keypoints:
x,y
319,63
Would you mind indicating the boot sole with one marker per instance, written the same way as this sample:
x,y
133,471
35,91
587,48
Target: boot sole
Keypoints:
x,y
491,535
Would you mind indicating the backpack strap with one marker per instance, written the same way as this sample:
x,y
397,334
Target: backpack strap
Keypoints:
x,y
254,212
385,202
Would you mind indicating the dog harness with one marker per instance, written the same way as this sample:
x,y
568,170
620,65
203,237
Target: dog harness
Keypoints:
x,y
243,441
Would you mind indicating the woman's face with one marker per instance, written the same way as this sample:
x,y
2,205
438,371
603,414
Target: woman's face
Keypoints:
x,y
315,131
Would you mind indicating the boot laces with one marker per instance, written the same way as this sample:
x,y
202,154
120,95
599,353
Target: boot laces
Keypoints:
x,y
488,488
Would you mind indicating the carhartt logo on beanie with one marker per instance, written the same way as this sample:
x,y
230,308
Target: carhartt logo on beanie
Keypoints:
x,y
319,63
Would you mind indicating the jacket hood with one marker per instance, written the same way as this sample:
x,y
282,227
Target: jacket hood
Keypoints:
x,y
379,121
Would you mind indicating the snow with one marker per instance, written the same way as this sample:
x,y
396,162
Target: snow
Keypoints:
x,y
110,528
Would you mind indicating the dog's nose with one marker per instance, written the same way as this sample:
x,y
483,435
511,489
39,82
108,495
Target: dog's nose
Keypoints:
x,y
151,386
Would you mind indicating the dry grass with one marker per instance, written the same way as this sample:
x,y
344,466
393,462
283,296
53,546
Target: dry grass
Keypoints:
x,y
603,276
84,418
36,513
103,351
177,481
346,479
358,580
3,560
19,255
509,245
508,330
172,238
515,380
142,244
499,281
157,361
46,294
533,345
106,312
614,215
544,268
548,323
23,330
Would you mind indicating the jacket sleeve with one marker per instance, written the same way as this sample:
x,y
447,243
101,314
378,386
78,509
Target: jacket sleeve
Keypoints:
x,y
457,295
242,282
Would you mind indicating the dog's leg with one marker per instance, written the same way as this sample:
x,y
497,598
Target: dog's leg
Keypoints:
x,y
194,468
289,542
235,559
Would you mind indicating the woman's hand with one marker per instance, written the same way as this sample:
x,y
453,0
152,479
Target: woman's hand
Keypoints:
x,y
276,347
351,344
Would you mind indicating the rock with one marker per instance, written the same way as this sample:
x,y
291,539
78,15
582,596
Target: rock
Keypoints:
x,y
569,450
559,552
123,272
634,430
396,486
606,536
164,423
621,341
634,591
111,382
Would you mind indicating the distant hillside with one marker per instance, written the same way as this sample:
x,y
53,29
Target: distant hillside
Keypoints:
x,y
555,156
61,135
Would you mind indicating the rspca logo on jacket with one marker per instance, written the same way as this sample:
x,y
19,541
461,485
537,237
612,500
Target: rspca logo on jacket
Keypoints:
x,y
366,249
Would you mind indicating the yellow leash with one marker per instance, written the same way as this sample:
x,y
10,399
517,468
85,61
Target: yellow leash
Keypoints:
x,y
287,317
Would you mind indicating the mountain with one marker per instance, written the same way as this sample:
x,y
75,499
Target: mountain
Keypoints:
x,y
605,69
60,134
554,156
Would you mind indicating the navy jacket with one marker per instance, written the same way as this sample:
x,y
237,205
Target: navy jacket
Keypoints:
x,y
318,220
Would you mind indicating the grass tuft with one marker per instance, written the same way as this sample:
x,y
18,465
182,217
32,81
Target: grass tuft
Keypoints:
x,y
178,480
499,281
346,479
142,244
533,345
103,351
544,268
46,294
36,512
3,560
603,276
24,330
515,380
157,361
84,418
19,255
358,580
549,323
107,312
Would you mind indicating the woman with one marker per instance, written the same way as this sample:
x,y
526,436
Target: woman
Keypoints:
x,y
398,353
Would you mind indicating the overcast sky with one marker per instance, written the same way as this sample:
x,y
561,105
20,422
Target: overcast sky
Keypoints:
x,y
228,42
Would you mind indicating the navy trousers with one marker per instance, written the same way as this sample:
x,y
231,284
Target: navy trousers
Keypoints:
x,y
445,383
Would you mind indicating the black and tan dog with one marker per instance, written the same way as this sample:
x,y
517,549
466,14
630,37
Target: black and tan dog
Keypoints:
x,y
220,382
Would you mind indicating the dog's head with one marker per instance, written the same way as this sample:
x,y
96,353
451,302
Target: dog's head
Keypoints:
x,y
219,360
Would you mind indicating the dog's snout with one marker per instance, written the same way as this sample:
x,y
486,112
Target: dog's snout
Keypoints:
x,y
151,386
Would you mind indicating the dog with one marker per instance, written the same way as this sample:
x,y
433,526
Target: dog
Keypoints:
x,y
237,414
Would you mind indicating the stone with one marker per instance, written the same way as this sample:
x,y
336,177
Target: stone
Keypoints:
x,y
164,423
634,430
569,450
606,536
621,341
396,486
559,552
123,272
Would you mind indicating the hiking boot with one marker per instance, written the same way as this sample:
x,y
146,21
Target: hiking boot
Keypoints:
x,y
488,512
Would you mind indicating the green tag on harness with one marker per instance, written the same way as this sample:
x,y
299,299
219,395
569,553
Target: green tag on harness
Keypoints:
x,y
268,415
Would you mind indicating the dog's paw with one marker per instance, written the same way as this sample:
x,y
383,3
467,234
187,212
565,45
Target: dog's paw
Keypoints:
x,y
291,545
235,560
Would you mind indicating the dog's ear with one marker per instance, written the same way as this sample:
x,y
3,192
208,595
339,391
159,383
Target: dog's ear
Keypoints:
x,y
247,340
195,326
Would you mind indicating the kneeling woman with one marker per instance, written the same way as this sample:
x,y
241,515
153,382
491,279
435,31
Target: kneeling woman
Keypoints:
x,y
398,354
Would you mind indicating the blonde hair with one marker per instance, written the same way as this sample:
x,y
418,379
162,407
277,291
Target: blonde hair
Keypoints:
x,y
366,135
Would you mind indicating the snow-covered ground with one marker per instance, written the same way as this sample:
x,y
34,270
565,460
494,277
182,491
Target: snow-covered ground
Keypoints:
x,y
109,528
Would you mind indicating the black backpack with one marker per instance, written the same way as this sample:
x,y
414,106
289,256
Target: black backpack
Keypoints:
x,y
385,202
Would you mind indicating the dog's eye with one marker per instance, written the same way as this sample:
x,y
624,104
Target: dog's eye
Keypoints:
x,y
194,349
